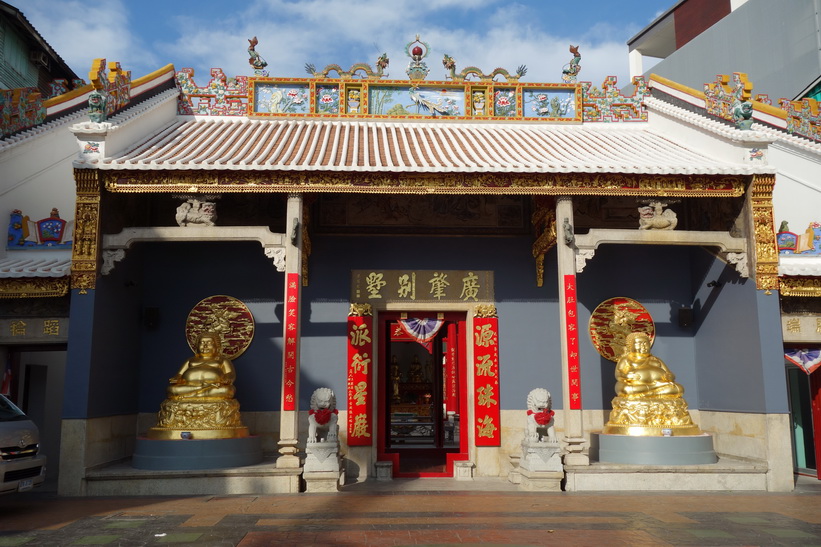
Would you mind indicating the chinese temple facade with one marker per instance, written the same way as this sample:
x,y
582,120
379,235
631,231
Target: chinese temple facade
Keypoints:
x,y
431,250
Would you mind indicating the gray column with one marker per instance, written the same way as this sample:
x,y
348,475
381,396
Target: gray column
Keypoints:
x,y
566,254
288,421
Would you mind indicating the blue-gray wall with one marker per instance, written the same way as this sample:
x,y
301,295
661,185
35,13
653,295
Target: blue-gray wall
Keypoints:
x,y
728,360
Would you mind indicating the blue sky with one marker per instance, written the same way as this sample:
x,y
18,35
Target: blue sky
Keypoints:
x,y
145,35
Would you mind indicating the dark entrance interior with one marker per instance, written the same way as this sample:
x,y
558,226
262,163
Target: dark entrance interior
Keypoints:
x,y
422,393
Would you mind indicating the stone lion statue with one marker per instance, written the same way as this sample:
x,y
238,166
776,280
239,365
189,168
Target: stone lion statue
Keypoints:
x,y
322,417
194,212
540,416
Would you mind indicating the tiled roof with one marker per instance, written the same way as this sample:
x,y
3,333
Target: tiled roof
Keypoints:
x,y
410,146
35,264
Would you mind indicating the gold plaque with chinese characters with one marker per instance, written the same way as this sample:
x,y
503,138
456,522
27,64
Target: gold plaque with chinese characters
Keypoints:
x,y
383,286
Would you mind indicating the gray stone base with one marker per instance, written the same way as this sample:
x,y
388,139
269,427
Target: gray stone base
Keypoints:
x,y
323,481
124,480
541,481
181,454
684,450
726,475
384,471
463,470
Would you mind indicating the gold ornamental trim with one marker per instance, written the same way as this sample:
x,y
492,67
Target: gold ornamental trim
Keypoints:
x,y
609,184
360,310
485,310
33,287
766,249
800,286
85,250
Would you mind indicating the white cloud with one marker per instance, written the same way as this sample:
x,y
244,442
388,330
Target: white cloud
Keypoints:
x,y
483,33
80,33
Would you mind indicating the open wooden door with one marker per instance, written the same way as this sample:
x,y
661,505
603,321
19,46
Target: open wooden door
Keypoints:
x,y
422,393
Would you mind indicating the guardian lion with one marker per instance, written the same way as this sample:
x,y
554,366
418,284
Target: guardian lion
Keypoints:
x,y
540,416
322,417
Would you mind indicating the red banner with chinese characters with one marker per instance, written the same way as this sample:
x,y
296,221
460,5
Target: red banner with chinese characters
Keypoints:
x,y
572,326
486,381
291,334
451,373
360,351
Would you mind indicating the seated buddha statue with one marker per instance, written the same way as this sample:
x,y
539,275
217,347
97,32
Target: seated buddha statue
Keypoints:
x,y
200,402
207,374
639,373
648,400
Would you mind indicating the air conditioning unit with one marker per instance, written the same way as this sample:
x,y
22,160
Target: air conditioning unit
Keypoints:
x,y
39,58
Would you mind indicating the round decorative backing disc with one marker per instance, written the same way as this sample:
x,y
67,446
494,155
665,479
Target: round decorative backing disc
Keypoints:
x,y
613,320
228,317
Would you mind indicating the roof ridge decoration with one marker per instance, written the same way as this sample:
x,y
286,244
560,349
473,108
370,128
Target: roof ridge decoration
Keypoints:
x,y
20,109
361,92
736,103
417,50
731,102
111,92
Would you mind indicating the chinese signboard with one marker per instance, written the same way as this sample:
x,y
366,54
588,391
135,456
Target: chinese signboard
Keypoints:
x,y
27,330
385,286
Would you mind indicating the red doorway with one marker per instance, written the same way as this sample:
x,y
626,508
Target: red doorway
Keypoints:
x,y
422,400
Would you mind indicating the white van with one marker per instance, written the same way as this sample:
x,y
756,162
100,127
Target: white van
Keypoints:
x,y
21,465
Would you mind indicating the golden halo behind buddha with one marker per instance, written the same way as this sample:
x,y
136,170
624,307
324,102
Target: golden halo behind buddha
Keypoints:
x,y
613,320
228,317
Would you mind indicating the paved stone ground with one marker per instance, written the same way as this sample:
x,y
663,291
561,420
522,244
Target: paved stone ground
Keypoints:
x,y
428,512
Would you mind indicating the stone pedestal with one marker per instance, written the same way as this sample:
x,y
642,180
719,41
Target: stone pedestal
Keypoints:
x,y
191,454
198,418
541,481
515,475
684,450
384,471
541,456
540,468
323,470
574,448
463,470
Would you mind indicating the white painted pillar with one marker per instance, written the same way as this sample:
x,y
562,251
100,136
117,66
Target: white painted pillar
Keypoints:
x,y
566,254
291,328
635,59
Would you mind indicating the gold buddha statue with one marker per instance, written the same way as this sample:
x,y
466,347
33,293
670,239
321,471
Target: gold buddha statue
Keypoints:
x,y
200,402
648,399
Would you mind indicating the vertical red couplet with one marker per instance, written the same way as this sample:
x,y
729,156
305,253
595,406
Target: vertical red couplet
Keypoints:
x,y
572,326
360,385
291,337
486,381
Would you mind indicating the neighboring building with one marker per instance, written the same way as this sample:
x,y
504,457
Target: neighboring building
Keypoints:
x,y
775,44
35,160
26,59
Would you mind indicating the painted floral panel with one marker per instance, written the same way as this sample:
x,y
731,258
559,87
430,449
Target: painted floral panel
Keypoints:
x,y
544,103
281,99
327,99
504,103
